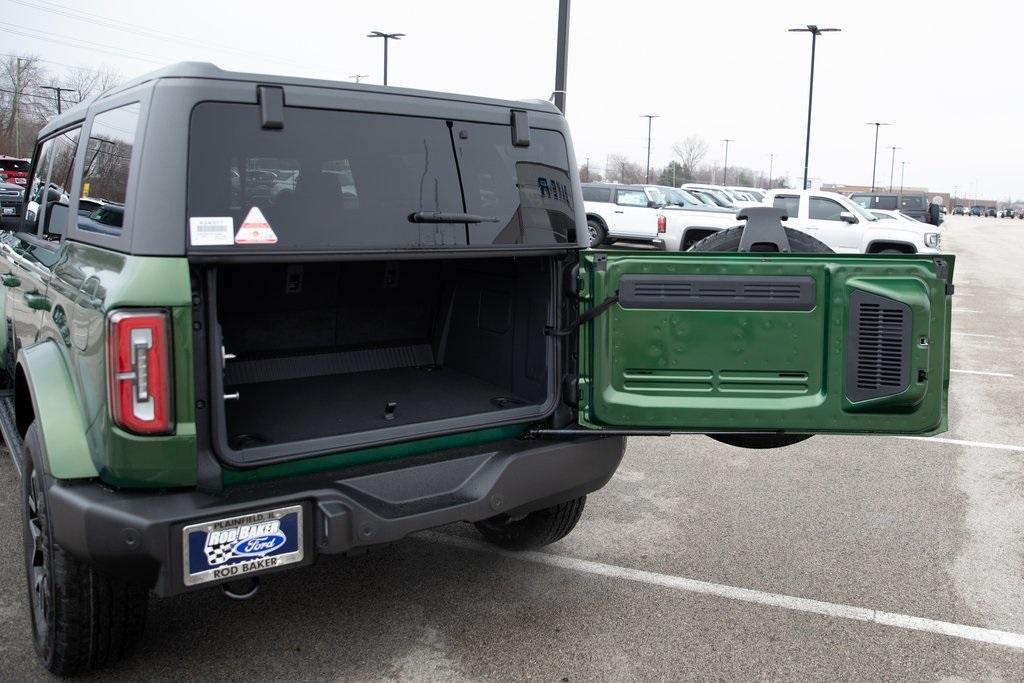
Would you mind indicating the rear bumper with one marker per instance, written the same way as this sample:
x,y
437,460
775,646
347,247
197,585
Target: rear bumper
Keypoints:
x,y
138,535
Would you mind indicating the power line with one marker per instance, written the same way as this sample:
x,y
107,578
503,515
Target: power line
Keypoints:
x,y
85,44
137,29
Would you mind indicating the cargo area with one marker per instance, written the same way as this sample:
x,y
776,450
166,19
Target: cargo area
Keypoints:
x,y
335,354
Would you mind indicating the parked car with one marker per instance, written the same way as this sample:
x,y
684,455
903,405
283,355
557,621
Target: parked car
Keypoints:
x,y
622,212
991,212
723,195
914,204
230,383
15,169
756,194
959,210
845,226
977,211
1008,212
12,198
686,224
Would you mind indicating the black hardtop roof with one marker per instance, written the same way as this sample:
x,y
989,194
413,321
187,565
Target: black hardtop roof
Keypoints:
x,y
206,70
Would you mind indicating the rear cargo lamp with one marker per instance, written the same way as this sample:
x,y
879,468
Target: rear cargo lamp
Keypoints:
x,y
662,223
139,379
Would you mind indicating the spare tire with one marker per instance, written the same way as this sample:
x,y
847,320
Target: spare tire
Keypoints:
x,y
729,240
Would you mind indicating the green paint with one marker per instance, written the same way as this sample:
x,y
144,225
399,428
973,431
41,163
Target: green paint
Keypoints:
x,y
334,461
758,370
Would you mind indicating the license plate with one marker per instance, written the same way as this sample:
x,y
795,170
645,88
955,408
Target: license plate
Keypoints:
x,y
236,546
9,211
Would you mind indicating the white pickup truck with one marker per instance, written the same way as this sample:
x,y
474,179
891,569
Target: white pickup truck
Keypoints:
x,y
649,214
846,227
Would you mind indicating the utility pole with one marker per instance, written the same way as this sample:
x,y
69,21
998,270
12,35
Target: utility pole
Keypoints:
x,y
892,169
874,159
650,118
14,108
903,170
771,163
386,37
58,90
725,166
358,77
815,32
588,170
561,55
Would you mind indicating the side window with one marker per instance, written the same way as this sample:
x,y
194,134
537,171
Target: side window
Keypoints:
x,y
788,202
58,188
108,158
631,198
825,209
912,203
597,194
40,170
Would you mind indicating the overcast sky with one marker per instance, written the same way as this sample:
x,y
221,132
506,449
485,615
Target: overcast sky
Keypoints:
x,y
945,75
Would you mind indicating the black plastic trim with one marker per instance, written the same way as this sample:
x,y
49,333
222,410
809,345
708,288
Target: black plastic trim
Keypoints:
x,y
719,292
879,336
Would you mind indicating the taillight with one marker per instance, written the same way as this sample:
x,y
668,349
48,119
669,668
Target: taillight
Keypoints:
x,y
662,223
140,371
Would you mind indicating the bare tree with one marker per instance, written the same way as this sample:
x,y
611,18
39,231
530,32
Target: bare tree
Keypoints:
x,y
619,169
691,153
20,77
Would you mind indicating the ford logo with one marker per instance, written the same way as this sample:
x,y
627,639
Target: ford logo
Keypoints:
x,y
259,545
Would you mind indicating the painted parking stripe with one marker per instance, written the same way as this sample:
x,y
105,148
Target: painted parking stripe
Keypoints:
x,y
789,602
981,372
973,334
965,310
963,442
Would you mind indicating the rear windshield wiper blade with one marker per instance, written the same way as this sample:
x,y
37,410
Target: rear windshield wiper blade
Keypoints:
x,y
448,217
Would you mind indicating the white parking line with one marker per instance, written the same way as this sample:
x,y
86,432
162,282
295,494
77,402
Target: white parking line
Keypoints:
x,y
972,334
966,310
980,372
962,442
829,609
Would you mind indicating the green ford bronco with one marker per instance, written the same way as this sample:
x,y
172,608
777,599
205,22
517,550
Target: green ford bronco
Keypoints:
x,y
250,320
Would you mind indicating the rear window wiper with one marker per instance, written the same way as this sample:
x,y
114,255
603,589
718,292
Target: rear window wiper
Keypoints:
x,y
448,217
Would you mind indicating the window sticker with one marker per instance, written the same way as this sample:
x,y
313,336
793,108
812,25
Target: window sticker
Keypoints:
x,y
255,229
211,231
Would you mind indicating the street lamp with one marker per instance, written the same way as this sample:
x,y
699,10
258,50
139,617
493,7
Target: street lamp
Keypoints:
x,y
386,37
892,169
650,118
874,159
771,163
815,32
903,171
725,166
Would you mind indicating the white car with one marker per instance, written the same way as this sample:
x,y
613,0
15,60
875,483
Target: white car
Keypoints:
x,y
687,223
623,212
723,193
847,228
756,193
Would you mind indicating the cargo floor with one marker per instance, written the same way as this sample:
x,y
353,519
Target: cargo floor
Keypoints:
x,y
311,407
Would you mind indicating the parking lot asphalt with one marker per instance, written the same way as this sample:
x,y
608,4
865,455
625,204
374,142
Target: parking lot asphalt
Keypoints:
x,y
930,534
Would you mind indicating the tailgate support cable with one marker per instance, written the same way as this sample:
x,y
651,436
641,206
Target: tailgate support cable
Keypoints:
x,y
585,318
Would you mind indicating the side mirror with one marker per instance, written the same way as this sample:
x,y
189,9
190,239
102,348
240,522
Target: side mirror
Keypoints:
x,y
651,204
848,217
56,218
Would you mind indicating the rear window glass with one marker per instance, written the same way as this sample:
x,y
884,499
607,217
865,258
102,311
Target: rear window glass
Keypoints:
x,y
13,165
789,203
876,201
108,157
597,194
346,180
912,203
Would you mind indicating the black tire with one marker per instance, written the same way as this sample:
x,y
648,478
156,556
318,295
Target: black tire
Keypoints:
x,y
81,620
596,232
889,251
535,530
729,240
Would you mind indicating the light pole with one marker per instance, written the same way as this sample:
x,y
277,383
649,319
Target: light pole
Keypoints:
x,y
903,171
358,77
386,37
892,169
874,159
771,163
650,118
725,166
955,188
561,55
815,32
58,90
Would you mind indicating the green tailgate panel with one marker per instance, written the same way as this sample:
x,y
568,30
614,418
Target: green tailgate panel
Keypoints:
x,y
719,342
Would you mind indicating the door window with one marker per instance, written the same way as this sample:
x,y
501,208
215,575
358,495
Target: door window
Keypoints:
x,y
108,158
597,194
55,221
823,209
37,191
788,202
631,198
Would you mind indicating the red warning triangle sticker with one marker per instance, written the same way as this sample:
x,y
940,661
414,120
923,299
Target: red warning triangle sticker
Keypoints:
x,y
255,229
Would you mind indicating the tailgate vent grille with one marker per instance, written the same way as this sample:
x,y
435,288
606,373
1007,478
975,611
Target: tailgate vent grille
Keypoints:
x,y
879,347
717,292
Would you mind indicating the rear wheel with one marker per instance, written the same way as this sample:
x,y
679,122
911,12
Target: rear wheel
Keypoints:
x,y
536,529
81,620
596,233
729,240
